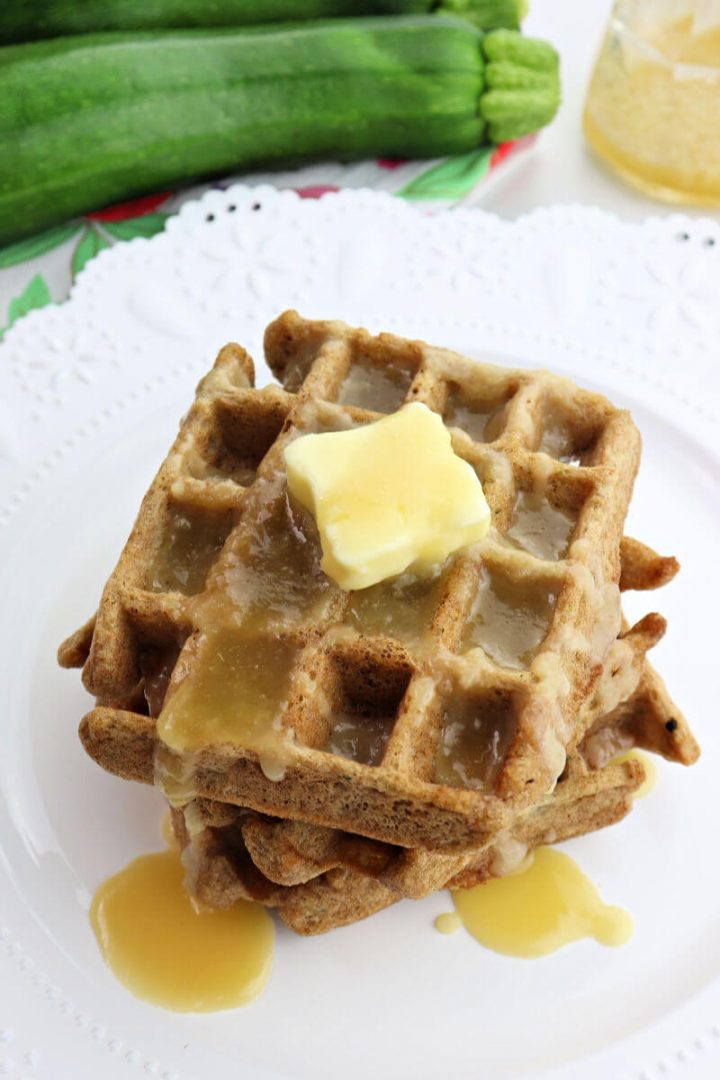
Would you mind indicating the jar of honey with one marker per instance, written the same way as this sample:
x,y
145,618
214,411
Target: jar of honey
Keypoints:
x,y
653,106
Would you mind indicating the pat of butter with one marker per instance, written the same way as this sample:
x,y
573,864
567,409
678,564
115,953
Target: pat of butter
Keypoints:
x,y
387,496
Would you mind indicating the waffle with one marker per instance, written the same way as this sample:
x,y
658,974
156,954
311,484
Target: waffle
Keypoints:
x,y
221,577
321,878
219,870
630,708
231,852
354,877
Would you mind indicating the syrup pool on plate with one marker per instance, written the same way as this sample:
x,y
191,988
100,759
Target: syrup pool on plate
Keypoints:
x,y
545,904
171,954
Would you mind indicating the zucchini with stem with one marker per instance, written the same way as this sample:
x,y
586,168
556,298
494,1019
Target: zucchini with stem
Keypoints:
x,y
97,119
30,20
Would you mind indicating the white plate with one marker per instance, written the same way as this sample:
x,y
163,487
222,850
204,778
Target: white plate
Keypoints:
x,y
90,393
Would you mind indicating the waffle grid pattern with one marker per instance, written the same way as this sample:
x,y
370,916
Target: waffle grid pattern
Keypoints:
x,y
219,554
227,464
630,708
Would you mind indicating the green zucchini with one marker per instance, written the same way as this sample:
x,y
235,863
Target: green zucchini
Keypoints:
x,y
29,20
522,88
92,120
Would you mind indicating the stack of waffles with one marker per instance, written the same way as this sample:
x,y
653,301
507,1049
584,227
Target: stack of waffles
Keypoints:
x,y
328,753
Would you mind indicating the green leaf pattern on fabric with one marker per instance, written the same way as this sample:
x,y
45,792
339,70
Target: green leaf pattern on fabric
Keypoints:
x,y
35,295
147,225
36,245
91,242
451,178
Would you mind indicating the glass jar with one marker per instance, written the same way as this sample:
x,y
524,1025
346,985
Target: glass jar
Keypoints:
x,y
653,105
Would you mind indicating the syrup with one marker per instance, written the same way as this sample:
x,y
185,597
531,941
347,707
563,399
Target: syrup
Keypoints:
x,y
374,387
169,953
475,738
167,832
201,469
481,420
556,442
540,528
157,668
277,576
190,546
508,620
545,904
648,765
448,923
360,738
400,607
650,113
560,441
234,693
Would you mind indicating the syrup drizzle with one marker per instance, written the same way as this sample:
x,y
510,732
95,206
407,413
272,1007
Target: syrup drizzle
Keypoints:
x,y
545,904
169,953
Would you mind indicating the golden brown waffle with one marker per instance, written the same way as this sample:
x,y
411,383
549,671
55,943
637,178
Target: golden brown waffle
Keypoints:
x,y
319,877
468,686
630,708
123,742
219,870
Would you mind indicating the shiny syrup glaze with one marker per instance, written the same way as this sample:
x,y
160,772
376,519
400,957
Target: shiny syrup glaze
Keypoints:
x,y
234,694
476,734
359,738
276,575
481,420
191,543
545,904
508,620
375,387
540,528
401,607
171,954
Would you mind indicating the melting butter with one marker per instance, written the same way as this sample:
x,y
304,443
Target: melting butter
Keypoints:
x,y
387,496
170,954
545,904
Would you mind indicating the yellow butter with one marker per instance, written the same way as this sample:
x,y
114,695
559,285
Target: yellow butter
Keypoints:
x,y
387,496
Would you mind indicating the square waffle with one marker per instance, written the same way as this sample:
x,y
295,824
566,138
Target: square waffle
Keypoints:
x,y
354,877
219,870
630,708
419,712
319,878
